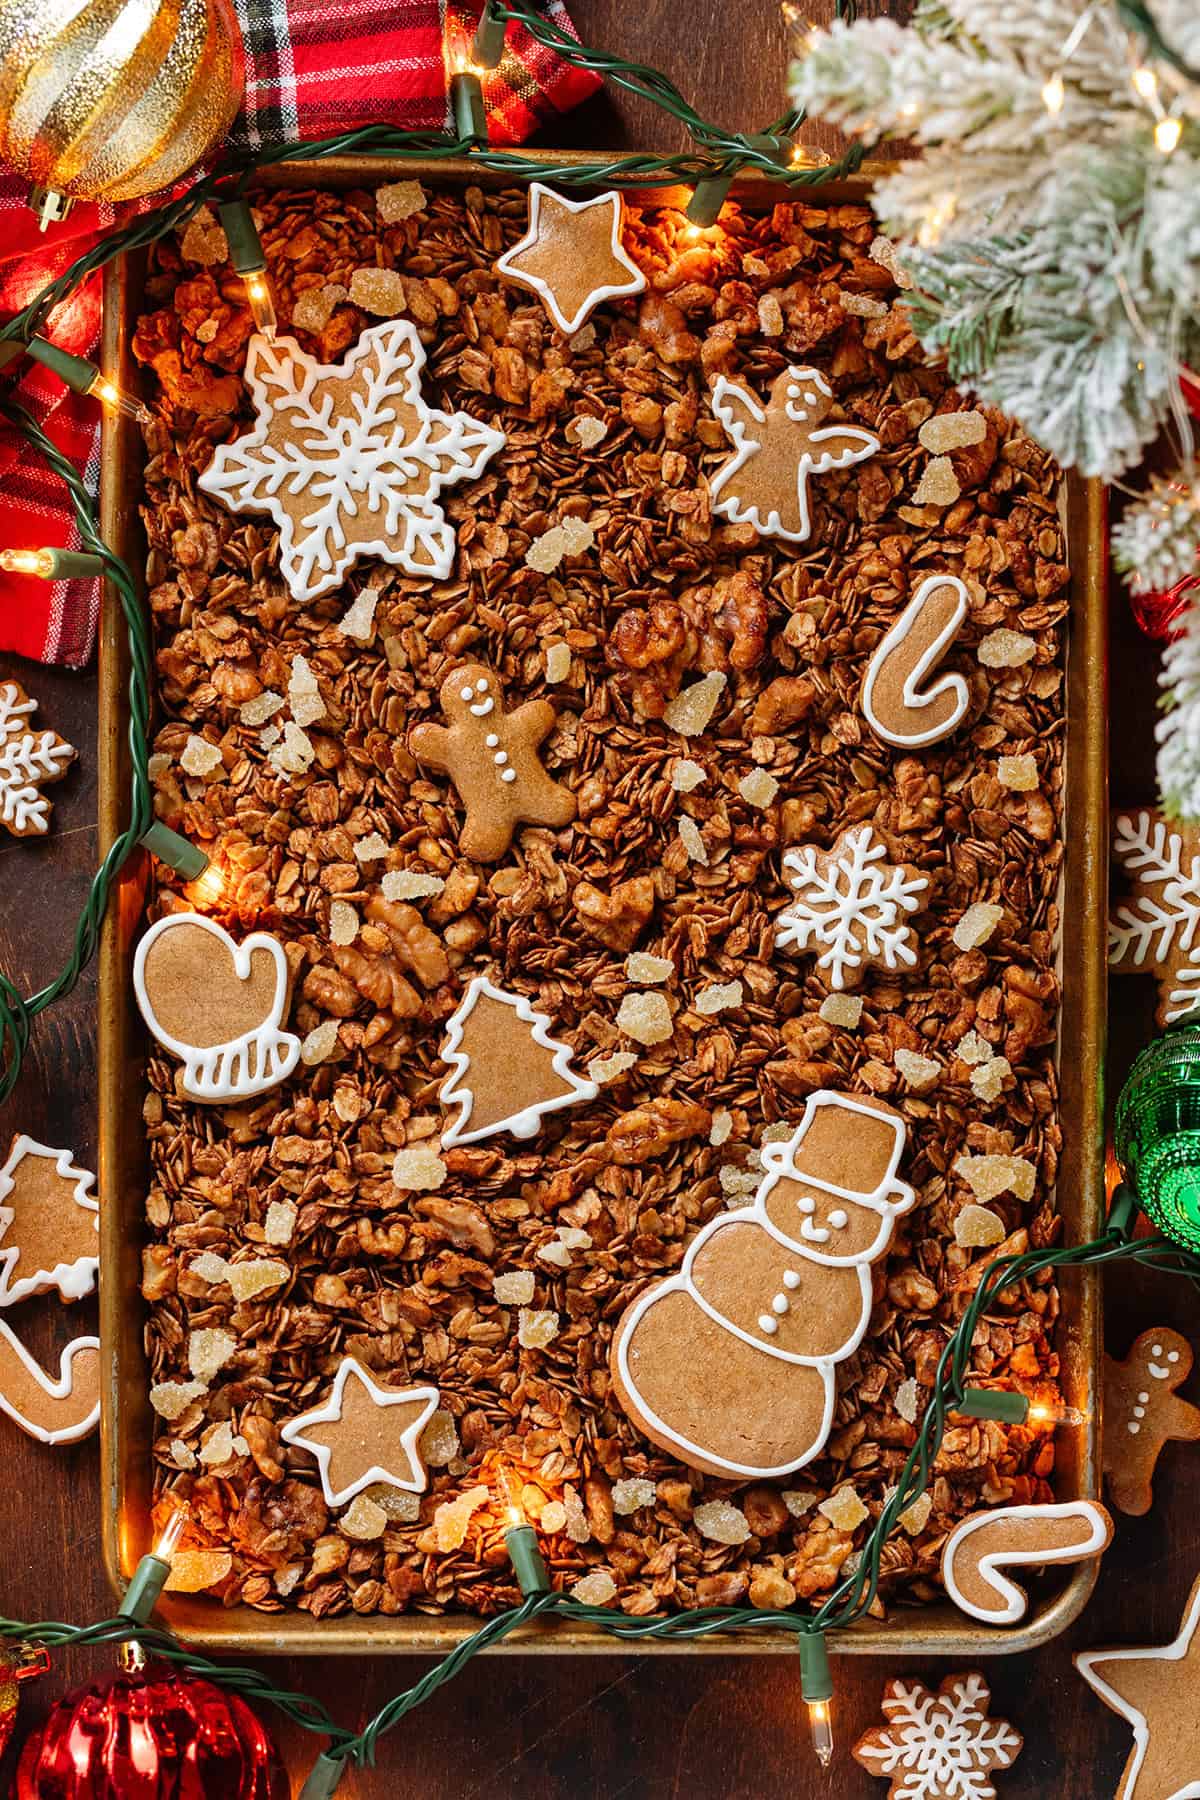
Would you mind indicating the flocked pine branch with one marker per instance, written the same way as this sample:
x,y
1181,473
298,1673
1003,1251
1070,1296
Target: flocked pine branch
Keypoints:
x,y
1178,730
1157,542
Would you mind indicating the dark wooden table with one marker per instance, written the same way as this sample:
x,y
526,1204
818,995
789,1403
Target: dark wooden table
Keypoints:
x,y
617,1725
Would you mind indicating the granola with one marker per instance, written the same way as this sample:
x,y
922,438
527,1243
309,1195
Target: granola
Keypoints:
x,y
705,682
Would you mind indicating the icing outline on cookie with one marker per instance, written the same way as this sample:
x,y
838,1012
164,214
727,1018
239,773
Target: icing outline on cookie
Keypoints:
x,y
455,1088
916,698
1176,1651
331,1414
227,1071
539,192
59,1389
1015,1601
778,1160
864,444
851,927
74,1279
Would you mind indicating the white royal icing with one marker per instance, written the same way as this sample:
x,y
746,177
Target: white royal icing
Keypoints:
x,y
330,1413
73,1280
27,757
915,697
853,912
350,462
890,1198
745,446
539,194
1012,1602
247,1065
1086,1662
456,1088
54,1389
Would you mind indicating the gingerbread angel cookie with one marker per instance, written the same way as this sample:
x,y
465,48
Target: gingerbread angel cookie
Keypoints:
x,y
491,756
1142,1412
776,448
729,1365
1155,928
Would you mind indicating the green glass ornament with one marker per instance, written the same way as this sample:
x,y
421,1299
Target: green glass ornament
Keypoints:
x,y
1157,1132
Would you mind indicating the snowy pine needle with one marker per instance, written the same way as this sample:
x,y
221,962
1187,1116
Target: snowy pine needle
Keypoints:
x,y
1157,541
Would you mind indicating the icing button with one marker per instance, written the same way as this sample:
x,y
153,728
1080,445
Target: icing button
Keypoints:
x,y
790,1278
768,1324
780,1303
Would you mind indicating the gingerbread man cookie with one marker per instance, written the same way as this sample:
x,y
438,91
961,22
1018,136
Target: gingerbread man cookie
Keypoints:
x,y
776,448
897,706
1155,929
491,756
1010,1537
1155,1690
48,1224
851,906
365,1433
1142,1411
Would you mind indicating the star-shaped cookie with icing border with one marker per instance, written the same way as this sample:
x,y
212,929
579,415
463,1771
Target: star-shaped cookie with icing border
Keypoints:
x,y
365,1433
1155,1690
572,256
48,1224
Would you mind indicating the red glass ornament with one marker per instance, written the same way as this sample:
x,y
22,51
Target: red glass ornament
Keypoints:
x,y
1158,609
151,1735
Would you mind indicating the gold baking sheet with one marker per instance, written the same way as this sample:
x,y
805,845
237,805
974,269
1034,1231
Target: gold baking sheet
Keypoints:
x,y
127,1419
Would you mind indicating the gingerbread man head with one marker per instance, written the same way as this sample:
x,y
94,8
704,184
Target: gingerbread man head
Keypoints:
x,y
470,693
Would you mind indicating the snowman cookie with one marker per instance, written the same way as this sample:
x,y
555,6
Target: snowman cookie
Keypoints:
x,y
729,1364
491,756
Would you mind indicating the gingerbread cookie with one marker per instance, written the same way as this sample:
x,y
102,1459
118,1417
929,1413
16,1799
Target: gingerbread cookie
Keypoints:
x,y
1155,1690
29,760
506,1070
349,458
897,706
48,1224
850,906
216,1004
1155,930
939,1746
776,448
729,1364
572,255
1008,1537
1142,1411
365,1433
54,1411
491,756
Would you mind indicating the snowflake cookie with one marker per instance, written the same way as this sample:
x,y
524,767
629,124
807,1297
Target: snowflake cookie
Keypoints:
x,y
776,448
939,1746
349,458
1155,928
572,256
851,907
29,760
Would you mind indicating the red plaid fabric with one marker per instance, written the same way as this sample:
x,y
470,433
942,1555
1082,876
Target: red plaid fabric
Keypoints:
x,y
312,70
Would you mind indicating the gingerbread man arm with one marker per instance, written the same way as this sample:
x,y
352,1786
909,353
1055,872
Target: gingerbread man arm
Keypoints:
x,y
1181,1420
431,744
537,717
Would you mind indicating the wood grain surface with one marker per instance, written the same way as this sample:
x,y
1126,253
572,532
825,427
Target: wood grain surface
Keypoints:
x,y
540,1728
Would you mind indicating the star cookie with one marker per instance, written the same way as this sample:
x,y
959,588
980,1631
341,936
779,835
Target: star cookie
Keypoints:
x,y
491,756
365,1433
1155,1690
851,907
29,760
349,458
572,255
48,1224
1155,928
1142,1411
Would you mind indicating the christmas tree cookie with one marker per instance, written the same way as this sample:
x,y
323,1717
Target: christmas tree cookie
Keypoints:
x,y
506,1071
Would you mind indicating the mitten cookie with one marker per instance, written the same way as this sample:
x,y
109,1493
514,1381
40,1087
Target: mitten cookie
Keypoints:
x,y
1141,1412
1155,928
939,1746
1155,1690
216,1004
1008,1537
491,756
572,255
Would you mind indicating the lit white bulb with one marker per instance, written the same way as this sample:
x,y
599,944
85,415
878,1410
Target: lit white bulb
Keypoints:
x,y
1167,134
1053,94
1145,82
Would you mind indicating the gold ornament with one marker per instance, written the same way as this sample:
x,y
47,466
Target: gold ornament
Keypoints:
x,y
110,99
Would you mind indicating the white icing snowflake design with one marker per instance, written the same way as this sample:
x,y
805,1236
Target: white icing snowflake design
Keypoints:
x,y
939,1746
1150,929
849,906
349,458
27,758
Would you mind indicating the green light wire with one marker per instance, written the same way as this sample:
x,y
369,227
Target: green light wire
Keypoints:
x,y
849,1601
